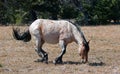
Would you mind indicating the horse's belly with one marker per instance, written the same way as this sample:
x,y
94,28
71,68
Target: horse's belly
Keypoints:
x,y
51,38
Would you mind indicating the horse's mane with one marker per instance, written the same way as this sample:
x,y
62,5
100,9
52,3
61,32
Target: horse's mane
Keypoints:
x,y
79,29
76,25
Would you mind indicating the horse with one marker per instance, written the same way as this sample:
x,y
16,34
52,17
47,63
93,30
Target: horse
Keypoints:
x,y
54,31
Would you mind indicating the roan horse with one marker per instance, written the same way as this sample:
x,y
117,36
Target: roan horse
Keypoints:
x,y
51,31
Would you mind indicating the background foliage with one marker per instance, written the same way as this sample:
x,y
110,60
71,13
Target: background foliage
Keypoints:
x,y
86,12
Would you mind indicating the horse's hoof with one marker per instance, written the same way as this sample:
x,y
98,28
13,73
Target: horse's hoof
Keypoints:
x,y
46,62
57,62
84,62
54,62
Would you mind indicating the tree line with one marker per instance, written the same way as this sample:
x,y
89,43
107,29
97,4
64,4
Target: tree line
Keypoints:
x,y
86,12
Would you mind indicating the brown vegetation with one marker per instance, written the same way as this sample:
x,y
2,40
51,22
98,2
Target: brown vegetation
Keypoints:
x,y
17,57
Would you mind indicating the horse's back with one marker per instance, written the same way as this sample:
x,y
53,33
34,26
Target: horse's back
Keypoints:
x,y
51,31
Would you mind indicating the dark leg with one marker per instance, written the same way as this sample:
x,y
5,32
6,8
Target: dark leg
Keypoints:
x,y
59,58
40,51
86,56
43,55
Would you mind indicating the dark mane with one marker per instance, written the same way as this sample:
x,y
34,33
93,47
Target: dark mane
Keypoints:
x,y
79,29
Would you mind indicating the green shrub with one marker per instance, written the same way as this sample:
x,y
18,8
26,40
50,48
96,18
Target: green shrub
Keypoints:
x,y
1,65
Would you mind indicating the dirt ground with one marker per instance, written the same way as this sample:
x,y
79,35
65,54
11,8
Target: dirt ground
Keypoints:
x,y
17,57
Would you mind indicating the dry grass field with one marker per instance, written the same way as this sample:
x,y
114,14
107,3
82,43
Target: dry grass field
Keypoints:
x,y
17,57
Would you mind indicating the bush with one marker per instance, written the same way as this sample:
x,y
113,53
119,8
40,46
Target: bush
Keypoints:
x,y
1,65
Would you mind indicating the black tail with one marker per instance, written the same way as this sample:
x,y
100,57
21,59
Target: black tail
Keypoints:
x,y
25,36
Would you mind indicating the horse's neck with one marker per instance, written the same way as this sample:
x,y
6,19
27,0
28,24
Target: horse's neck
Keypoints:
x,y
79,36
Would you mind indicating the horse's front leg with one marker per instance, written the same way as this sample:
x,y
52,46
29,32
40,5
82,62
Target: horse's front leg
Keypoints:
x,y
58,60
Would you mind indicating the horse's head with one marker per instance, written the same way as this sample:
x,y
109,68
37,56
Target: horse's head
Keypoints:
x,y
84,51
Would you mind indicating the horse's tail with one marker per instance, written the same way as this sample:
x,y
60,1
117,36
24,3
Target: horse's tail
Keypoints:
x,y
25,36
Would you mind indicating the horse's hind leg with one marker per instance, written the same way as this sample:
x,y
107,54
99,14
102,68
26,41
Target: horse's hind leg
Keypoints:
x,y
40,51
43,55
59,58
